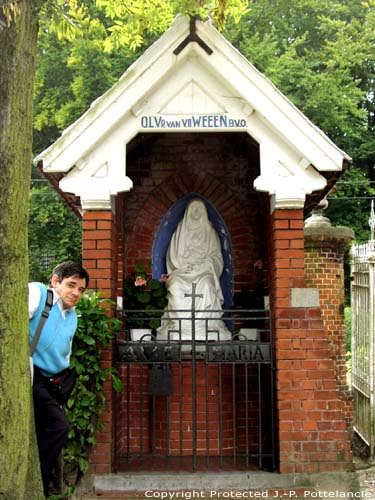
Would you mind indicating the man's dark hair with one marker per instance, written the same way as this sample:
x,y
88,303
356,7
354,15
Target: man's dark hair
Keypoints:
x,y
68,269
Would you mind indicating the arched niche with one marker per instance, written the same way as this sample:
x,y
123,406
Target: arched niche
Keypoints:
x,y
168,225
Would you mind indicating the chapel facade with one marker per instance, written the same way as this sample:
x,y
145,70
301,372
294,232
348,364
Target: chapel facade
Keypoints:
x,y
193,119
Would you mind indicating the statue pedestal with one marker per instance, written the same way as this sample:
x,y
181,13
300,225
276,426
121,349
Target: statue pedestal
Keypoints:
x,y
175,432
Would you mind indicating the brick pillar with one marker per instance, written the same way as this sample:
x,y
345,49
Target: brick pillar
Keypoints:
x,y
324,264
100,260
100,250
312,430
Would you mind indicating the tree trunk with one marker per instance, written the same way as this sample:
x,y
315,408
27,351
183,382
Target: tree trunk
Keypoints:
x,y
19,463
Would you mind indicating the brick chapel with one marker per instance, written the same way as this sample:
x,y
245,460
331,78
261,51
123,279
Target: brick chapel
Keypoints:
x,y
192,118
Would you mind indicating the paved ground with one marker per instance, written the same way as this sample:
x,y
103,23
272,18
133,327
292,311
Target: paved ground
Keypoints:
x,y
366,478
335,491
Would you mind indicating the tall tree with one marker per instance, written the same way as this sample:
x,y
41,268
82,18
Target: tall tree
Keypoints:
x,y
19,477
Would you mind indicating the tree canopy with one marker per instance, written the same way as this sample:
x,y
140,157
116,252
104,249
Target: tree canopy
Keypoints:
x,y
321,55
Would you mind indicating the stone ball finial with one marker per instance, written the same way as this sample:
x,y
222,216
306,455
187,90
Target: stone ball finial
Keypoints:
x,y
317,217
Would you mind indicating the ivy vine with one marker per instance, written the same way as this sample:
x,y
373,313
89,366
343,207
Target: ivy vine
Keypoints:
x,y
94,334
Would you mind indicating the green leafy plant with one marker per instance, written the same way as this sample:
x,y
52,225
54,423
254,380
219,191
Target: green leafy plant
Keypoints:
x,y
145,299
49,217
94,334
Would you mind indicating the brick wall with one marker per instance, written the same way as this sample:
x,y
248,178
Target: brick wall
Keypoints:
x,y
325,270
133,429
214,408
313,435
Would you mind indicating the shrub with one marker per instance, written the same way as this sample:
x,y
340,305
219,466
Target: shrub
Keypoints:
x,y
94,333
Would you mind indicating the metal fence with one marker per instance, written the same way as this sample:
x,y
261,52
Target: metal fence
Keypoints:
x,y
363,337
198,404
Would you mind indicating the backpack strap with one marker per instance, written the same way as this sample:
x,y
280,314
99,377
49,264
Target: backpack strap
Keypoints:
x,y
43,318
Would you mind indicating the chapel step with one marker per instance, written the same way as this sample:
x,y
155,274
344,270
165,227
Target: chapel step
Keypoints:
x,y
295,494
218,486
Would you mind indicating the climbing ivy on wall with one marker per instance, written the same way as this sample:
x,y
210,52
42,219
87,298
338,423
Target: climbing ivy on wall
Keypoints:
x,y
94,334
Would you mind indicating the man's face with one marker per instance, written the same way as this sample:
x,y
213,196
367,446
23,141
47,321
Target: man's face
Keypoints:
x,y
70,289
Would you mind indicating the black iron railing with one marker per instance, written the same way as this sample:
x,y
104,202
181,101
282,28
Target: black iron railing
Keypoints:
x,y
197,404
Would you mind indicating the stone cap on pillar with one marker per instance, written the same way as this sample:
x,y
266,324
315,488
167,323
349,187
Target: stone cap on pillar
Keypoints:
x,y
319,227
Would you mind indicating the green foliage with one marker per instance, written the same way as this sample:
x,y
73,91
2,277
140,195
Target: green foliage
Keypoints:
x,y
350,203
94,334
316,52
10,11
54,233
132,19
320,54
144,298
349,206
72,74
51,90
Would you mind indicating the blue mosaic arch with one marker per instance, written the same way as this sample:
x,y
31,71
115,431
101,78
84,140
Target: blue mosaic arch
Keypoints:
x,y
169,224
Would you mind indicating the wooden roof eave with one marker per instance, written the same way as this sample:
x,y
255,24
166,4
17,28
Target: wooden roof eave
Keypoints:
x,y
72,201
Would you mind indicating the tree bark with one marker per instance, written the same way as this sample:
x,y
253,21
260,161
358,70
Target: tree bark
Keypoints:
x,y
19,463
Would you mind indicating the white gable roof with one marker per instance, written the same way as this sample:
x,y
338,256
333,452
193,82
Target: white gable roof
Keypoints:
x,y
192,79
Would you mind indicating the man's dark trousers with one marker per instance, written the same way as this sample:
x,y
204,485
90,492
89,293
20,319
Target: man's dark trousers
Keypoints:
x,y
51,424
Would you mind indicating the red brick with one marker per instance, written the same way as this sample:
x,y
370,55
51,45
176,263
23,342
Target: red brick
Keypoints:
x,y
106,224
97,215
88,225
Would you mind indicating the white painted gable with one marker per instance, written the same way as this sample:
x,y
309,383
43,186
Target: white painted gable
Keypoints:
x,y
192,80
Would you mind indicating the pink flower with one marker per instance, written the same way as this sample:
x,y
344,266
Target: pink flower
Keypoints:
x,y
164,278
258,264
139,281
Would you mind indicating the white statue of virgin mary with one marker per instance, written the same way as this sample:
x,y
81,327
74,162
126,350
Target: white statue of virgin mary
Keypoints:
x,y
194,256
